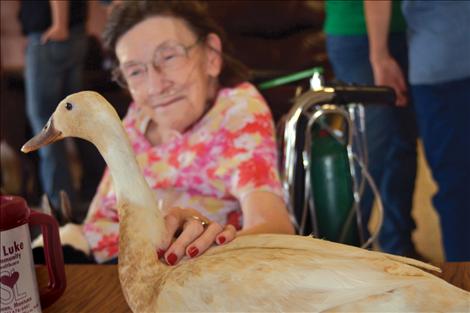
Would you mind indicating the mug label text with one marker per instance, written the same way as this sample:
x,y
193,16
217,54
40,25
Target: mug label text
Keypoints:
x,y
18,286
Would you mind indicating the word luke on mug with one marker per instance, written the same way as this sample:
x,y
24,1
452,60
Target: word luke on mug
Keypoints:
x,y
18,287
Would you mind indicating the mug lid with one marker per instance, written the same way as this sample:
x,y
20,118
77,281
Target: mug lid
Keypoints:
x,y
14,212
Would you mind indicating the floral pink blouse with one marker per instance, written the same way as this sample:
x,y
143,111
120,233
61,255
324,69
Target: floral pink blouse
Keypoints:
x,y
226,155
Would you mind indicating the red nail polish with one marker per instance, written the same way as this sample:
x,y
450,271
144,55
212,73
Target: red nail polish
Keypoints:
x,y
221,240
160,253
171,259
193,251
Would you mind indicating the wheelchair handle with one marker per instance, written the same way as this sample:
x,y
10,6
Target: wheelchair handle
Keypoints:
x,y
343,93
363,94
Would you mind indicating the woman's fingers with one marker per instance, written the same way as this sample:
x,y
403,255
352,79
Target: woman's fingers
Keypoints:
x,y
192,235
204,241
173,224
192,229
226,235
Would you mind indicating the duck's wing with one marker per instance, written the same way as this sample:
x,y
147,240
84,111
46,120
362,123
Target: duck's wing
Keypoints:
x,y
277,278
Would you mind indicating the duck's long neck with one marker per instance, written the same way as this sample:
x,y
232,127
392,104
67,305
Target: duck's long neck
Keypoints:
x,y
141,226
139,213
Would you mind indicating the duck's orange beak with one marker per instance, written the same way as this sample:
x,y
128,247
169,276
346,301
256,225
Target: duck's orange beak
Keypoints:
x,y
48,135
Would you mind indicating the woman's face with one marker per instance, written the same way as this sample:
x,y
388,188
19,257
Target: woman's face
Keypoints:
x,y
177,88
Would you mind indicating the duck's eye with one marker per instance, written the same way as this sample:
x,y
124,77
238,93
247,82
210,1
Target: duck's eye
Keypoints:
x,y
69,106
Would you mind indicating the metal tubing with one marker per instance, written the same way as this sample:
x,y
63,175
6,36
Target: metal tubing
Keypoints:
x,y
314,104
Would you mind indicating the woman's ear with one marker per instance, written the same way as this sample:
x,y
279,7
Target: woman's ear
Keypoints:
x,y
213,55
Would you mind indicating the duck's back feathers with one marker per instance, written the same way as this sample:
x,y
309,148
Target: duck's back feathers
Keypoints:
x,y
290,273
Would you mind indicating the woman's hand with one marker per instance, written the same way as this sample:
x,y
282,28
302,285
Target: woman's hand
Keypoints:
x,y
55,33
193,234
59,30
387,72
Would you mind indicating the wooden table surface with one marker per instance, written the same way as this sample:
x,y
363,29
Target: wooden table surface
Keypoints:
x,y
90,288
95,288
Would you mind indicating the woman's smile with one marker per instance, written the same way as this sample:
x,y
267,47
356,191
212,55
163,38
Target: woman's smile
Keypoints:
x,y
168,101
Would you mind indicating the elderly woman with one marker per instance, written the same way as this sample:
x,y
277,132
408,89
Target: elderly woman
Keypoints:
x,y
203,136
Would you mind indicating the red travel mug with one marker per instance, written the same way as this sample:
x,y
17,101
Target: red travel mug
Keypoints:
x,y
19,289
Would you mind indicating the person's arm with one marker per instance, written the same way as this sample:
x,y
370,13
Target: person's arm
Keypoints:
x,y
265,212
59,30
386,70
378,15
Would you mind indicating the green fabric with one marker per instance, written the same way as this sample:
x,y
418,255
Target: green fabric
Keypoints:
x,y
346,17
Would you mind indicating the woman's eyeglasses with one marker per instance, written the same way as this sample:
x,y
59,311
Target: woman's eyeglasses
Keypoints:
x,y
168,57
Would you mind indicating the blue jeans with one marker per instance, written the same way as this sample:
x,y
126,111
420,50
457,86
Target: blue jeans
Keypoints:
x,y
391,135
53,70
443,113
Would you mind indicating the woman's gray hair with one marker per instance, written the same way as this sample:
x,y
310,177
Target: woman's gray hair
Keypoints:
x,y
127,14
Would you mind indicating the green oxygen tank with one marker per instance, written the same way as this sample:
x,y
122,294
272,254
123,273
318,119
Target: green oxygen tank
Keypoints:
x,y
332,188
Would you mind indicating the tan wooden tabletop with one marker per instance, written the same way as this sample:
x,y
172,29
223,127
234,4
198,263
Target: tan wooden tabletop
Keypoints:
x,y
456,273
90,288
95,288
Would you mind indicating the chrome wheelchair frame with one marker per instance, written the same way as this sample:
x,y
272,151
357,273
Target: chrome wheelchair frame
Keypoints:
x,y
312,105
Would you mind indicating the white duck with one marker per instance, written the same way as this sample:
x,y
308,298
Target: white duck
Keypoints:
x,y
262,273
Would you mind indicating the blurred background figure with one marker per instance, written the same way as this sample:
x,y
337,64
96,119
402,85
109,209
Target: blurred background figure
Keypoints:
x,y
390,131
439,43
439,74
56,48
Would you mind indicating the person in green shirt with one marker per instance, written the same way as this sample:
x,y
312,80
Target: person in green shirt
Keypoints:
x,y
391,132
